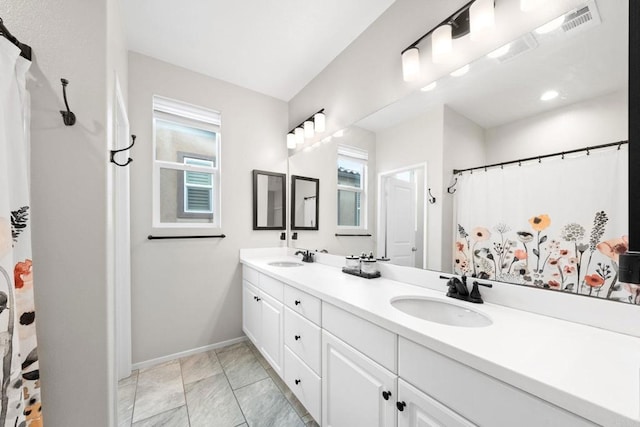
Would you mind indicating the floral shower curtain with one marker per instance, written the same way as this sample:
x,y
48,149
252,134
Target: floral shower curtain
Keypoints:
x,y
20,386
557,223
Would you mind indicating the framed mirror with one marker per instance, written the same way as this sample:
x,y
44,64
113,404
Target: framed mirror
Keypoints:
x,y
269,200
304,202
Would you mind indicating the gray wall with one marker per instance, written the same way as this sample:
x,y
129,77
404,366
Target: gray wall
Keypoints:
x,y
70,203
187,293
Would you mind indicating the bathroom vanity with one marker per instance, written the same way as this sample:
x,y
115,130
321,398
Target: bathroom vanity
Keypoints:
x,y
353,359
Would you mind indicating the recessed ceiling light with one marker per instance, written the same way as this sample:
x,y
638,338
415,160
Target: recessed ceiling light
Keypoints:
x,y
549,95
461,71
501,51
551,25
430,86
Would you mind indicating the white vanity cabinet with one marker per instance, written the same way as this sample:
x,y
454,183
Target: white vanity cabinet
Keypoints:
x,y
417,409
263,316
475,396
302,353
358,382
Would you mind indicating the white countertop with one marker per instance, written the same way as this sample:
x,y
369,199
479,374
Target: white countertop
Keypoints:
x,y
591,372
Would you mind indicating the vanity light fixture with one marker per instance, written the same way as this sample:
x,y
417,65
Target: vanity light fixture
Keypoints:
x,y
554,24
306,129
482,17
429,87
501,51
549,95
455,26
460,71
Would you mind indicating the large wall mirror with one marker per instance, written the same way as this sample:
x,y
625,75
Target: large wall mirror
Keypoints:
x,y
305,202
269,200
545,92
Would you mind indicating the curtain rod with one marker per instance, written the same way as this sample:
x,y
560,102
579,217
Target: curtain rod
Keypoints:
x,y
562,153
25,50
217,236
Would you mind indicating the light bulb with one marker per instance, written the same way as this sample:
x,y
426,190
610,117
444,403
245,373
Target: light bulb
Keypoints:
x,y
320,122
441,44
501,51
410,64
481,17
308,129
291,141
299,132
460,71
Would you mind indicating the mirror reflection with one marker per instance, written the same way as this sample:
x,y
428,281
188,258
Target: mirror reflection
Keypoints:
x,y
304,203
269,198
548,92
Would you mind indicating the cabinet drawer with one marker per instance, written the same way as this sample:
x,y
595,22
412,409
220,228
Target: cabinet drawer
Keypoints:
x,y
479,398
250,275
272,286
304,383
377,343
303,338
303,304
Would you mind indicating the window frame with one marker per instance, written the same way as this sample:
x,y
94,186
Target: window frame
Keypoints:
x,y
188,115
360,156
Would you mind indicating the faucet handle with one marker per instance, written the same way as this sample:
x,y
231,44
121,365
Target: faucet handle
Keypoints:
x,y
475,296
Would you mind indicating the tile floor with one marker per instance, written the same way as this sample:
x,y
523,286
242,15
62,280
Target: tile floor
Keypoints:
x,y
231,386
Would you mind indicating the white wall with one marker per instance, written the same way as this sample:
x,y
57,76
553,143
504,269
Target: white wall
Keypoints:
x,y
596,121
69,205
419,140
187,293
464,147
321,162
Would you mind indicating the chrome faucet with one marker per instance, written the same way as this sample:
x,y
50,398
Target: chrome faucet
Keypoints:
x,y
458,289
307,255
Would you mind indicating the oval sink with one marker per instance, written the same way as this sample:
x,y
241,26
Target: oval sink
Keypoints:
x,y
285,264
440,312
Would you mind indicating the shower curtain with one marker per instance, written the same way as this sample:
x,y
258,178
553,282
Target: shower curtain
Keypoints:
x,y
20,385
557,223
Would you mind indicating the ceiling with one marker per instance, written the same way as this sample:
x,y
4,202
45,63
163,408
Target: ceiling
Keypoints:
x,y
580,66
274,47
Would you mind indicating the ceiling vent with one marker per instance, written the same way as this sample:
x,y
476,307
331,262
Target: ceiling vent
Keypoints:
x,y
518,47
581,19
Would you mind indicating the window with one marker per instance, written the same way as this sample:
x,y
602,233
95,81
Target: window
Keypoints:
x,y
186,165
352,175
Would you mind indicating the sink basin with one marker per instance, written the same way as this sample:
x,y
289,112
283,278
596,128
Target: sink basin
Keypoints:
x,y
285,264
440,312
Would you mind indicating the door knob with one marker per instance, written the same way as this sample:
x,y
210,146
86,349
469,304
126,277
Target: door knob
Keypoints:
x,y
298,381
297,302
297,337
414,249
386,395
401,406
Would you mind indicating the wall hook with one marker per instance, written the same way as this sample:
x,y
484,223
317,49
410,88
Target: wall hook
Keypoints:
x,y
68,117
431,199
451,187
114,152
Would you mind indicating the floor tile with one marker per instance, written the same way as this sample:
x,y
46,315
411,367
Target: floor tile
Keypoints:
x,y
232,347
263,362
264,405
211,402
126,397
199,366
176,417
159,389
286,391
241,366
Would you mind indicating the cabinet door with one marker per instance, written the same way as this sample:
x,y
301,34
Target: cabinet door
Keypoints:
x,y
416,409
353,387
271,343
251,312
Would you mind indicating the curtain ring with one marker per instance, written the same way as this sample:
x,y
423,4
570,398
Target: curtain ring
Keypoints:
x,y
619,145
539,159
588,153
563,156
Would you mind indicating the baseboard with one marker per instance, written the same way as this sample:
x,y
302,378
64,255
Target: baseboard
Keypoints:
x,y
163,359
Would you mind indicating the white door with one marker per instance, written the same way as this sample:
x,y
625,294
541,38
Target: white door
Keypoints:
x,y
416,409
401,220
122,244
251,309
272,323
356,391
